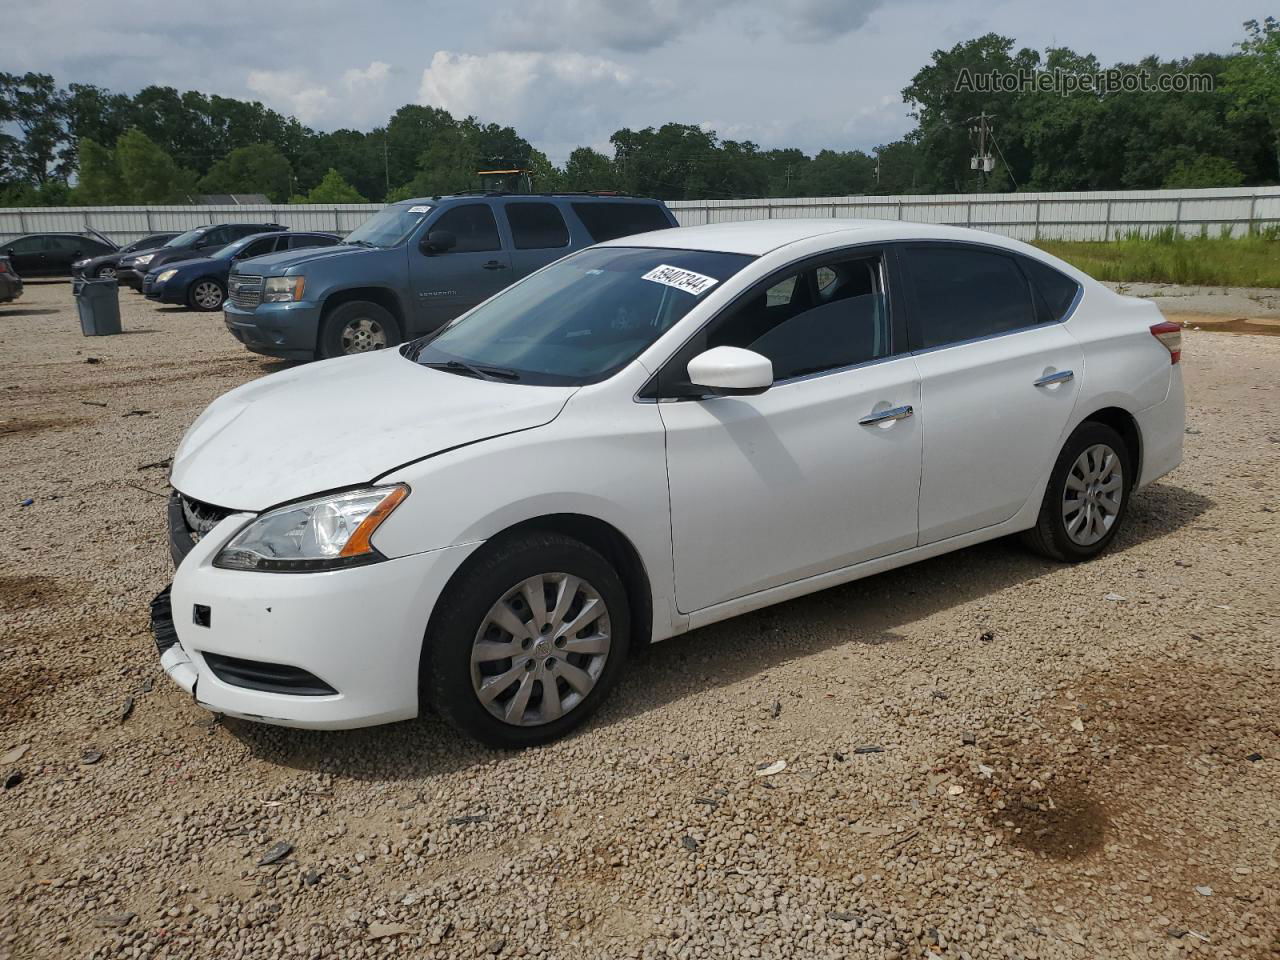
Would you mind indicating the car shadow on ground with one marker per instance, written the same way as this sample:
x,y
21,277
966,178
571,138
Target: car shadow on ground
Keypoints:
x,y
868,611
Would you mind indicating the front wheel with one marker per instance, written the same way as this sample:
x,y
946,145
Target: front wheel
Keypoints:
x,y
206,294
358,327
1087,497
527,644
106,273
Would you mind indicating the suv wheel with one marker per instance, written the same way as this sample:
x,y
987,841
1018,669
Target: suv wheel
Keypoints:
x,y
1087,497
527,644
206,294
106,273
358,327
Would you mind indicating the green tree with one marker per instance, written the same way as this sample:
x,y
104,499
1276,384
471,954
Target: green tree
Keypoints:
x,y
588,169
1204,171
99,183
1253,78
148,173
257,168
33,105
332,188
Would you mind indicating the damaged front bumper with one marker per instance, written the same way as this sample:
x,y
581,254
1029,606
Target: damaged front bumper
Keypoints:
x,y
173,659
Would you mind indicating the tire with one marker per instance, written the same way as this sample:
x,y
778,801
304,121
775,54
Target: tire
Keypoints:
x,y
357,327
105,272
1098,520
451,681
206,294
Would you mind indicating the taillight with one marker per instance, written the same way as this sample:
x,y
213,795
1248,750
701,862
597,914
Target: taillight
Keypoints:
x,y
1170,336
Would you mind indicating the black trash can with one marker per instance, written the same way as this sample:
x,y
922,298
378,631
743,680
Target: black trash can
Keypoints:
x,y
98,302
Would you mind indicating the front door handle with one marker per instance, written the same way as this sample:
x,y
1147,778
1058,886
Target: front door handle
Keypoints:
x,y
884,416
1049,379
495,265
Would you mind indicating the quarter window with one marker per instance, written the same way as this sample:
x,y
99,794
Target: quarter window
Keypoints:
x,y
536,226
963,293
473,225
1057,289
820,318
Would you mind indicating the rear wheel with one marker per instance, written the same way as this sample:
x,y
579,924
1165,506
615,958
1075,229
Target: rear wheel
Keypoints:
x,y
358,327
206,294
1087,497
528,643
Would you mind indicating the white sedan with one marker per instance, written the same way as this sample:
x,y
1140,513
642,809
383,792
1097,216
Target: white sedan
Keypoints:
x,y
643,438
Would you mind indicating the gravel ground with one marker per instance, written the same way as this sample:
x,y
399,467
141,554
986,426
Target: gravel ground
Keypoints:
x,y
987,755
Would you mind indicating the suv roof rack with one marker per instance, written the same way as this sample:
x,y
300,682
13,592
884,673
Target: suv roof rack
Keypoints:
x,y
544,193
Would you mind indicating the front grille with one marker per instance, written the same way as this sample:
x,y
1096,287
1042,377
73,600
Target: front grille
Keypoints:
x,y
269,677
147,283
199,518
245,291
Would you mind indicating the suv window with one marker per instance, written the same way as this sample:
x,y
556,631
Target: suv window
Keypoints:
x,y
823,317
258,248
608,221
305,240
962,293
473,225
24,245
1056,289
219,236
536,226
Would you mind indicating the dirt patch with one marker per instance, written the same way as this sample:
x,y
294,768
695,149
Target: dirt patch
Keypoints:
x,y
23,593
27,427
1064,823
1258,326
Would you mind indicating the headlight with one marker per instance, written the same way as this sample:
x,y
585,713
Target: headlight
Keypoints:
x,y
78,264
283,289
321,534
145,258
165,275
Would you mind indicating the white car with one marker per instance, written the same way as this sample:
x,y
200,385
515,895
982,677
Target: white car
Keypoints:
x,y
643,438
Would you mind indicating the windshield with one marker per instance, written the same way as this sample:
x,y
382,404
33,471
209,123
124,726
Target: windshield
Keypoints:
x,y
185,239
389,225
581,319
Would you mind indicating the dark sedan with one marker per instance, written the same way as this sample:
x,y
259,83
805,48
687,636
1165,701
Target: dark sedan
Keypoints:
x,y
104,267
202,284
51,254
10,282
200,242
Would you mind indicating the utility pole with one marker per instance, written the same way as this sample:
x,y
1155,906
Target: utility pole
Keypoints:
x,y
877,169
386,163
980,132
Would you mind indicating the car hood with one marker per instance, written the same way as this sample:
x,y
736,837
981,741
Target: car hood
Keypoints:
x,y
278,264
343,422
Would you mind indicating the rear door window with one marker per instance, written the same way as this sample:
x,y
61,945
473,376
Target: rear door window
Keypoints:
x,y
258,248
473,225
963,293
536,226
299,242
610,220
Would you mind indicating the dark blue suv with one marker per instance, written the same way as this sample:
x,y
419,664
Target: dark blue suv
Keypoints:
x,y
414,266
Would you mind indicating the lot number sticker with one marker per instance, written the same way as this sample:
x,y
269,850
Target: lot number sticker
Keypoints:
x,y
686,280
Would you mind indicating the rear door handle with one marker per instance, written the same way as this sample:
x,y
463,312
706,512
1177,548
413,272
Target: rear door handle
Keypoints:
x,y
884,416
495,265
1049,379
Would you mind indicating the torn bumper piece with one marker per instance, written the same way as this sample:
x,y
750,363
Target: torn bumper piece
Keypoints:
x,y
173,659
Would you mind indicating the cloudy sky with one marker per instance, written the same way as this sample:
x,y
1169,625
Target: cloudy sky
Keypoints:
x,y
809,73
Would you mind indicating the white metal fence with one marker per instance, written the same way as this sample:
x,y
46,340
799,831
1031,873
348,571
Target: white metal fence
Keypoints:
x,y
1026,216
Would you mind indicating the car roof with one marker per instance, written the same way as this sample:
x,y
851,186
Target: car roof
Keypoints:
x,y
481,196
758,237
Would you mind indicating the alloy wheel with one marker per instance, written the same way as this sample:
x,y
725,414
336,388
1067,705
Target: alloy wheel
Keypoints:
x,y
207,295
540,649
107,273
362,335
1093,494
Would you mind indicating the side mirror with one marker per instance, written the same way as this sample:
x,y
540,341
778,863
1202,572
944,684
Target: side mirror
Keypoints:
x,y
437,241
731,371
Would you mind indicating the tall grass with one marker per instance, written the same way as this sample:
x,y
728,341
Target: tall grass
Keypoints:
x,y
1167,257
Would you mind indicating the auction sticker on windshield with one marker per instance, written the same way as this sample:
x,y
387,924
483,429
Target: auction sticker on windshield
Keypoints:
x,y
686,280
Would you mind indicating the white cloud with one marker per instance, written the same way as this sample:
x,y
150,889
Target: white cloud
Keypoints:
x,y
296,93
546,96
